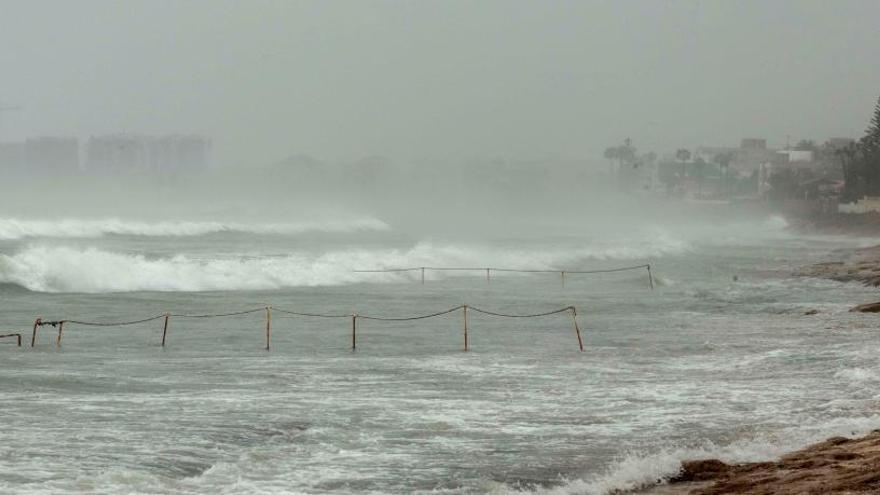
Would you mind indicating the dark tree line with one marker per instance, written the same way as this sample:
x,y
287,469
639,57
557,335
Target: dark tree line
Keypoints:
x,y
860,162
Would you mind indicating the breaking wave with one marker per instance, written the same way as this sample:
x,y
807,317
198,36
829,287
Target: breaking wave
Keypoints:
x,y
93,270
14,229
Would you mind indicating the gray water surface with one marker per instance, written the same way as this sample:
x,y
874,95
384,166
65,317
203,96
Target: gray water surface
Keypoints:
x,y
701,365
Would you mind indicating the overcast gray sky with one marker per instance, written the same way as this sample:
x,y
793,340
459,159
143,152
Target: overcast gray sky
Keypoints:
x,y
344,79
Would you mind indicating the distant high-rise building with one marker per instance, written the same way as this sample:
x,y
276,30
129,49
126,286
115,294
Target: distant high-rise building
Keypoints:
x,y
159,154
753,144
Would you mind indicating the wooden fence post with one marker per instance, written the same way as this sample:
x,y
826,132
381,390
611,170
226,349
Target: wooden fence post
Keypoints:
x,y
165,328
354,332
577,329
464,308
268,326
37,322
60,329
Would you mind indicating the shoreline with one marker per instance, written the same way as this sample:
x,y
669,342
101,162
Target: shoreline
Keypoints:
x,y
861,225
860,265
852,265
837,465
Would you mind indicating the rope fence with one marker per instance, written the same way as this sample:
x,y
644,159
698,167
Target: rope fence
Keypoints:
x,y
464,308
489,270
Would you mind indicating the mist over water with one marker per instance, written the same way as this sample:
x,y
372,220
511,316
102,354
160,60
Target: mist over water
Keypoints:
x,y
292,166
237,231
308,239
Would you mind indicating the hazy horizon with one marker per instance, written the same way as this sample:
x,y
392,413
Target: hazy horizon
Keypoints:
x,y
417,81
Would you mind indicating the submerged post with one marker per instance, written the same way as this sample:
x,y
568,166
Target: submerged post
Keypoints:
x,y
464,312
60,329
268,326
577,329
488,281
423,275
37,322
650,276
562,273
165,328
354,319
16,335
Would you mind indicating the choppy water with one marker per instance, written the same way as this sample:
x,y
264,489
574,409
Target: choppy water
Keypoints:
x,y
701,366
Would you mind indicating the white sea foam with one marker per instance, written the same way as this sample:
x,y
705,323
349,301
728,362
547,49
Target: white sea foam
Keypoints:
x,y
13,229
67,269
857,374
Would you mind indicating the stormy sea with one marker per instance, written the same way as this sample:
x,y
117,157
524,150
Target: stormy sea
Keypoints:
x,y
718,359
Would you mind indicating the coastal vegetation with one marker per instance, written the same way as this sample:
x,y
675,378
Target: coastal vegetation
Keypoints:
x,y
860,161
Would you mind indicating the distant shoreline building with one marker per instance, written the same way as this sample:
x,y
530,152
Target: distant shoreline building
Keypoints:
x,y
114,153
751,156
144,153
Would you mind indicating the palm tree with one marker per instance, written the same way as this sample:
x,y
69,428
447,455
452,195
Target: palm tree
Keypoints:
x,y
627,152
683,154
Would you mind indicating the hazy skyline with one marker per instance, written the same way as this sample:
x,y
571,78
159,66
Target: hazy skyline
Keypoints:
x,y
443,79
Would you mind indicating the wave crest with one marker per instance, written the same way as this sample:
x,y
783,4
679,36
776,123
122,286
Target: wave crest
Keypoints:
x,y
92,270
14,229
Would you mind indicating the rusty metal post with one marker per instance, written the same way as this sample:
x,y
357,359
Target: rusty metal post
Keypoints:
x,y
165,328
464,308
354,319
577,329
37,322
268,326
650,277
18,337
60,329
